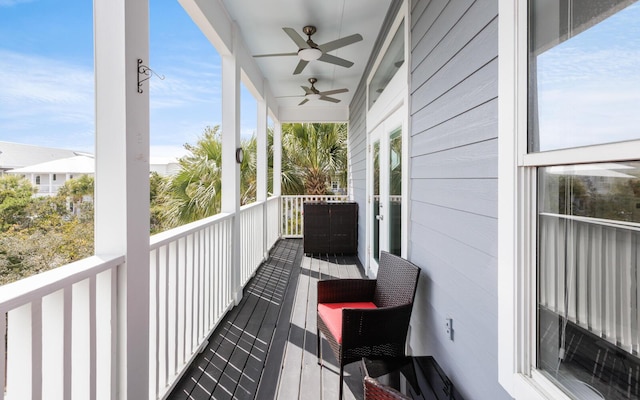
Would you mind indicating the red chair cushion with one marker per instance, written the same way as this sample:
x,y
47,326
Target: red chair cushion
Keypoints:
x,y
331,314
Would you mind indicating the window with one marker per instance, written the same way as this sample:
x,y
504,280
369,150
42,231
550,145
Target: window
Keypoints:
x,y
583,97
55,177
37,179
392,60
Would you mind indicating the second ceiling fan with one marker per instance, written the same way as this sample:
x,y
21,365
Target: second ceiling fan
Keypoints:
x,y
311,93
308,50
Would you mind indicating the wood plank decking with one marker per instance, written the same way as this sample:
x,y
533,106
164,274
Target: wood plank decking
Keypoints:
x,y
265,348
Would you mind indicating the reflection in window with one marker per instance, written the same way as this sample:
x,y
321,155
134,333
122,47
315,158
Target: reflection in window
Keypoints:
x,y
395,193
583,81
583,73
589,252
391,61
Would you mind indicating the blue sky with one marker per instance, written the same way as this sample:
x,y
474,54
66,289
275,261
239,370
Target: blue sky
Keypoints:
x,y
589,85
46,76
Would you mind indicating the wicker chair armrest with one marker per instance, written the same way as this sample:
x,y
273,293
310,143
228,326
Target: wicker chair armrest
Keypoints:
x,y
374,390
370,327
345,290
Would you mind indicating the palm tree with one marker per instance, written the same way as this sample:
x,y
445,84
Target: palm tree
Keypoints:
x,y
195,191
317,152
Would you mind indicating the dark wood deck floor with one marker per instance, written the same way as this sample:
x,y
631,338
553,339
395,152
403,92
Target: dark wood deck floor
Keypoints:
x,y
265,348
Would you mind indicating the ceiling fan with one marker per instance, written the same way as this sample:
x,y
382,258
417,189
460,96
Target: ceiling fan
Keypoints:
x,y
308,50
311,93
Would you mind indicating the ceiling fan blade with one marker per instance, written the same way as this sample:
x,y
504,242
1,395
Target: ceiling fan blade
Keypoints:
x,y
303,101
336,91
275,55
335,60
307,90
331,99
336,44
295,36
300,66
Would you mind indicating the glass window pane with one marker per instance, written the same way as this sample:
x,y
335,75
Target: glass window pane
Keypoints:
x,y
588,256
376,201
395,193
391,61
583,73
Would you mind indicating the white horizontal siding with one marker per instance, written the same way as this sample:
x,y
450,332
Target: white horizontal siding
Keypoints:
x,y
454,170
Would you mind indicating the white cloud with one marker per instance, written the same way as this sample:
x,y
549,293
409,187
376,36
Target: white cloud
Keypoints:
x,y
45,101
11,3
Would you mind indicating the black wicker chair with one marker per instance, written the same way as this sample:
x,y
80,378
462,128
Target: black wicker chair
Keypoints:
x,y
368,317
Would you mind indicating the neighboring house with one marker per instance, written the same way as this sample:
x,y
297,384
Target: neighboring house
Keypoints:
x,y
164,166
50,176
17,155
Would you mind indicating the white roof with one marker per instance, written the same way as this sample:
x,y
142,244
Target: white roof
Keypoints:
x,y
72,165
17,155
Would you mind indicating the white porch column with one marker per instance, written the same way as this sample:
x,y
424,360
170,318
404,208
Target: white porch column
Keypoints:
x,y
230,168
261,160
262,169
122,181
277,159
50,183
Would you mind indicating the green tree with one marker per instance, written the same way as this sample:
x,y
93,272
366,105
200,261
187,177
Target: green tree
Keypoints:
x,y
157,199
315,152
76,190
15,195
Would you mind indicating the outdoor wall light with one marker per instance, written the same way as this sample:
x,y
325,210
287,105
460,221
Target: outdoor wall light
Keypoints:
x,y
239,155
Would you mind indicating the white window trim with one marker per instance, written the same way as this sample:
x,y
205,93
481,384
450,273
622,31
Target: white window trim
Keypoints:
x,y
516,210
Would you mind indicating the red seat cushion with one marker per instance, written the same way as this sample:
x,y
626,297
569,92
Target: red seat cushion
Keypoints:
x,y
331,314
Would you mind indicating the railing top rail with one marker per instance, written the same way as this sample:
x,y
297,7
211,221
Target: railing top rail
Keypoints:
x,y
162,238
633,226
251,205
24,291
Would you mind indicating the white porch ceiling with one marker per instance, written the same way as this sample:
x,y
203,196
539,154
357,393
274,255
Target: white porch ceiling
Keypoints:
x,y
260,25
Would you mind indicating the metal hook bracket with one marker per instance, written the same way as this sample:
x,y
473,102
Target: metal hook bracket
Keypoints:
x,y
144,74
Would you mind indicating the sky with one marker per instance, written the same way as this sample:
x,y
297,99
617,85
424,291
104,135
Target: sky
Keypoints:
x,y
589,85
47,79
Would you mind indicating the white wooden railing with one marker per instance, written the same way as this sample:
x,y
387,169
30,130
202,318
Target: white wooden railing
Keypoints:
x,y
191,290
252,238
589,275
61,332
273,221
292,212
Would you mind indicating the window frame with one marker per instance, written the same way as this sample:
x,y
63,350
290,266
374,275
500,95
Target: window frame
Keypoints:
x,y
517,263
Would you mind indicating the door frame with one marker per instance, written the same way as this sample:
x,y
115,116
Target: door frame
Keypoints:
x,y
390,111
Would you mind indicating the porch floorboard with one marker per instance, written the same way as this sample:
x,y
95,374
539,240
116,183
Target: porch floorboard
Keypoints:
x,y
265,348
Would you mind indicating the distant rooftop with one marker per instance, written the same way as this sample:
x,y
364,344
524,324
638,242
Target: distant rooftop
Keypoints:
x,y
81,164
17,155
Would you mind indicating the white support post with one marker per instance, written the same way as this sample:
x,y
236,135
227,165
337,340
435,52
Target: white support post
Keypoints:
x,y
277,169
230,168
51,184
262,169
277,159
261,159
122,180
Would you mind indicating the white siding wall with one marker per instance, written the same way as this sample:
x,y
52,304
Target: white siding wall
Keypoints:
x,y
454,170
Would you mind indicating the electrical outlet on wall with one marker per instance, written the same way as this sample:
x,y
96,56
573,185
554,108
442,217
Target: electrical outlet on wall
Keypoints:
x,y
449,325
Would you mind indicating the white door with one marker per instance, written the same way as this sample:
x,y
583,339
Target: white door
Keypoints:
x,y
385,188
